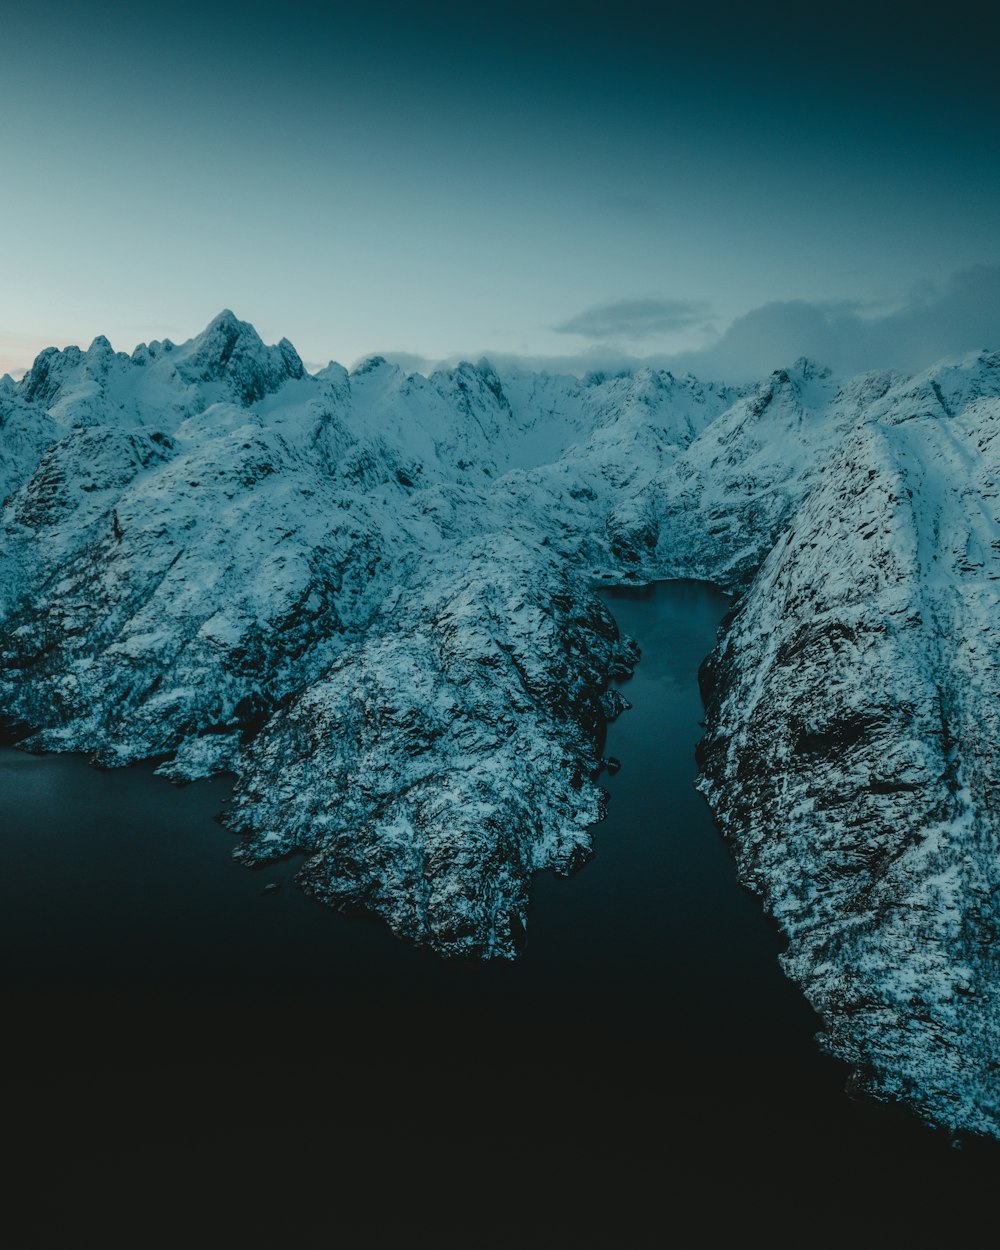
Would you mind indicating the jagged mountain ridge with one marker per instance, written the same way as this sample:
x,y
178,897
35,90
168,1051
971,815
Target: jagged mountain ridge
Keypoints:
x,y
369,594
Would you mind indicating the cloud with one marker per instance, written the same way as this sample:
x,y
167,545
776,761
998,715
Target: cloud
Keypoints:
x,y
851,336
634,319
962,315
411,362
965,315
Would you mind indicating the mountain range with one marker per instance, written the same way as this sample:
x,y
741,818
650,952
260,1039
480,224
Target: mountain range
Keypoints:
x,y
371,596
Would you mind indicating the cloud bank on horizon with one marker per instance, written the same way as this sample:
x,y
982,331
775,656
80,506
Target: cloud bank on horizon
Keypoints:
x,y
959,316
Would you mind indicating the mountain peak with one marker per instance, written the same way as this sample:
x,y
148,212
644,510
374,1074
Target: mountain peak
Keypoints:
x,y
232,351
42,381
227,320
226,329
370,364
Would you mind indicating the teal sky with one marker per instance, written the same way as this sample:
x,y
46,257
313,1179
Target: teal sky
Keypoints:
x,y
532,182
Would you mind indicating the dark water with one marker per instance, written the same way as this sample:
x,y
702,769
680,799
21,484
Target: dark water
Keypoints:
x,y
188,1061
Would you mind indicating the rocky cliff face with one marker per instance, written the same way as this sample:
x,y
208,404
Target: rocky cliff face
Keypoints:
x,y
851,754
369,595
447,755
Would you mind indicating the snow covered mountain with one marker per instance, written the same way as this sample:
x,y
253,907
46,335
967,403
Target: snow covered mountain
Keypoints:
x,y
852,751
371,596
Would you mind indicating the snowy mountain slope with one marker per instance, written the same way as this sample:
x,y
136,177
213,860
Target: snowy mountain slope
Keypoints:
x,y
449,754
716,510
27,430
851,754
178,569
368,594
